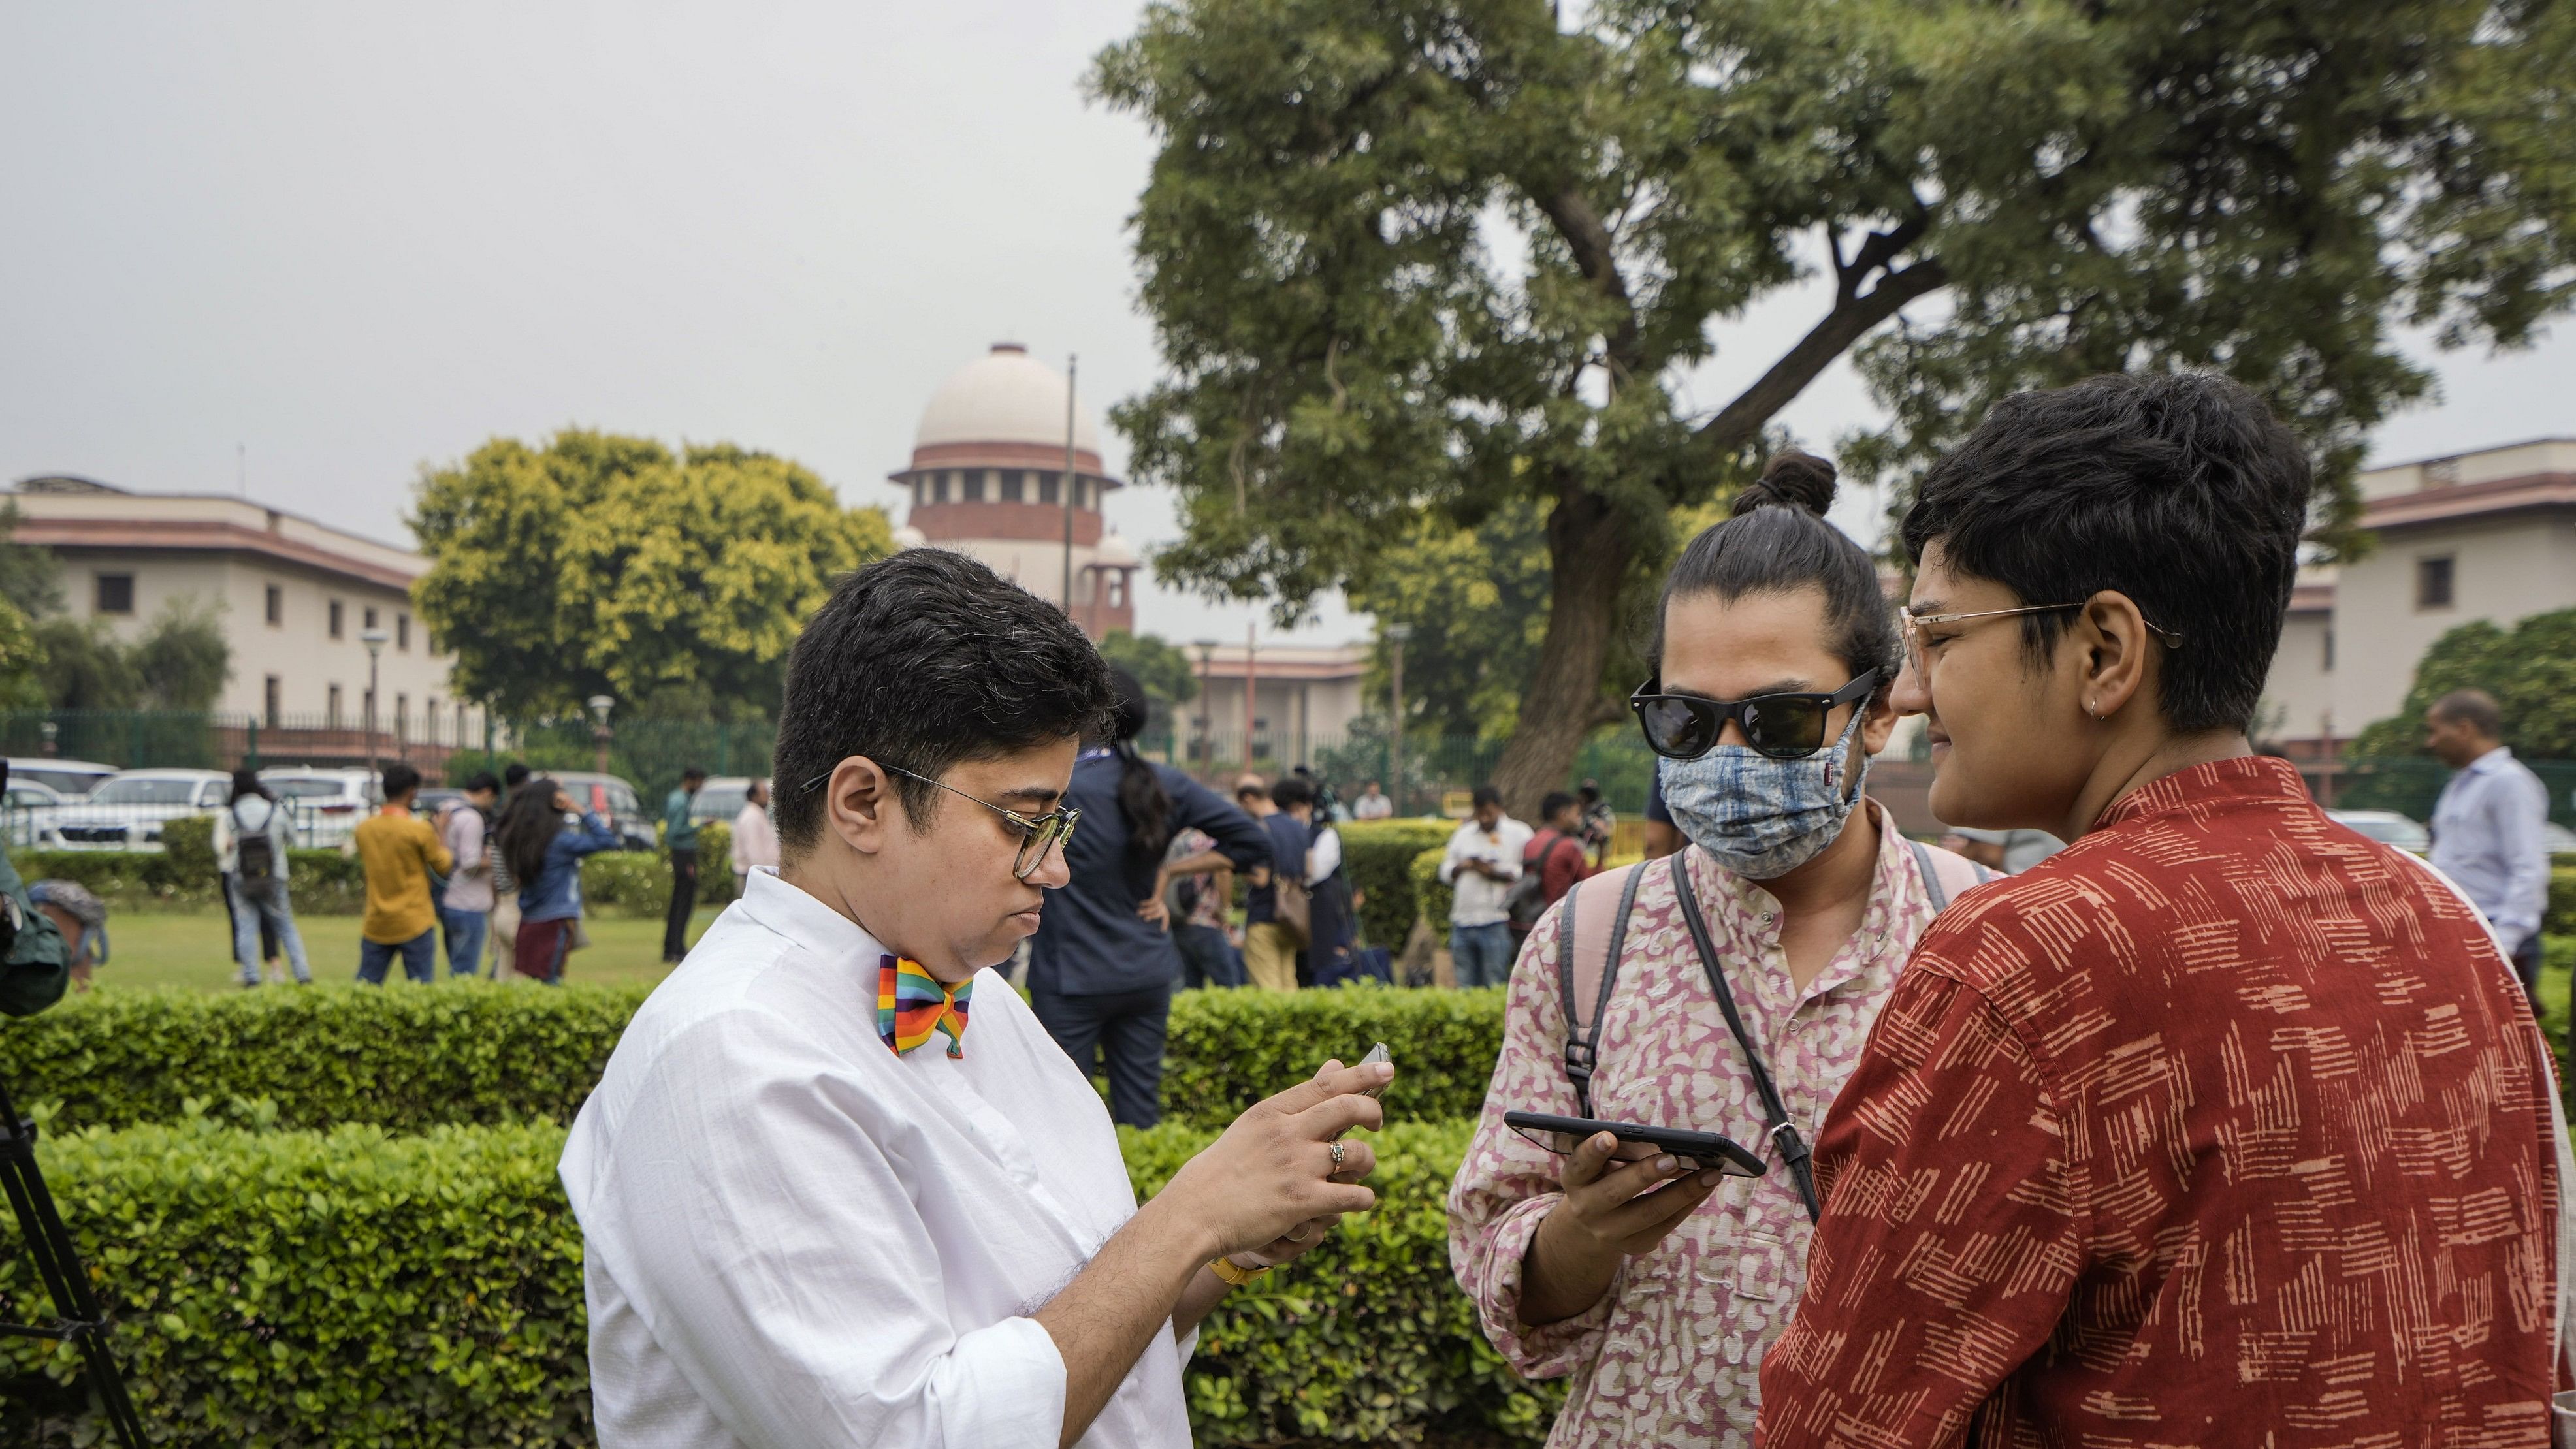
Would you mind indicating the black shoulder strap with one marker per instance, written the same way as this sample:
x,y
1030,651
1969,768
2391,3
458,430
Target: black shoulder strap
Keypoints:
x,y
1784,1133
1583,1034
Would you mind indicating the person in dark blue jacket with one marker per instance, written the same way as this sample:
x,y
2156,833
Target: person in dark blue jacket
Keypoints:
x,y
1102,965
544,843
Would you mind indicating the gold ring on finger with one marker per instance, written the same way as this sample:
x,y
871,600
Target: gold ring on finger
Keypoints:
x,y
1339,1152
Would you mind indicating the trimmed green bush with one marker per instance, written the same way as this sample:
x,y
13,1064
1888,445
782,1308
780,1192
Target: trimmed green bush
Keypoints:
x,y
638,882
288,1288
402,1059
2560,918
281,1288
189,842
323,882
1434,894
1378,855
1229,1049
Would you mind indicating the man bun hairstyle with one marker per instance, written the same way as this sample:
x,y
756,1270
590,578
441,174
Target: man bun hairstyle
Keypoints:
x,y
1777,542
2178,489
924,661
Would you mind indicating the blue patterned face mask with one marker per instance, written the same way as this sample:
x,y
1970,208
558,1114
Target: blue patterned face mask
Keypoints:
x,y
1759,817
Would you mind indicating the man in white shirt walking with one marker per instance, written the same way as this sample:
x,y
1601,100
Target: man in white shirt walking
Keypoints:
x,y
2486,826
813,1211
1483,860
755,840
465,912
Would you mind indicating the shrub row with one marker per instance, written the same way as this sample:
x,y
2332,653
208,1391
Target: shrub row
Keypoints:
x,y
277,1288
2561,917
1434,894
467,1052
1377,856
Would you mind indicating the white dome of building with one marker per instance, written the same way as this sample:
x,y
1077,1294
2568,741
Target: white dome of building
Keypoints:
x,y
1116,552
1005,396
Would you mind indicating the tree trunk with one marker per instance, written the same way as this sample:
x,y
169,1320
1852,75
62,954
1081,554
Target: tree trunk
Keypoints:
x,y
1587,550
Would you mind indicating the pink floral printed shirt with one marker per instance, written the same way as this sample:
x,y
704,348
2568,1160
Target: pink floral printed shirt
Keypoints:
x,y
1672,1353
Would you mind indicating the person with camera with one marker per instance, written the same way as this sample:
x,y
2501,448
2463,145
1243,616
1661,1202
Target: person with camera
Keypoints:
x,y
817,1206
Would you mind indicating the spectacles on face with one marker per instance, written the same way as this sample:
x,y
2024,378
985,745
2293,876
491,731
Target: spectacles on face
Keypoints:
x,y
1779,726
1915,624
1038,833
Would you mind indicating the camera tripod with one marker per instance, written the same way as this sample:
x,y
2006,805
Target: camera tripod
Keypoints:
x,y
76,1316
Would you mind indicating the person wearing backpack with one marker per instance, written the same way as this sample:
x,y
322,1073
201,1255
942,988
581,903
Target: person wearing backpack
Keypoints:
x,y
251,838
1724,989
1551,863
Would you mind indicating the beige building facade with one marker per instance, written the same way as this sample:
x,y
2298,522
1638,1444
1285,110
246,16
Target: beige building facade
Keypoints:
x,y
294,598
1303,698
2485,535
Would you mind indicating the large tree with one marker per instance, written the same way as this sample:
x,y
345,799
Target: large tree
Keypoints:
x,y
1437,257
1162,667
604,564
2530,668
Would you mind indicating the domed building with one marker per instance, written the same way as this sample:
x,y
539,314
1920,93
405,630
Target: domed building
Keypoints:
x,y
988,479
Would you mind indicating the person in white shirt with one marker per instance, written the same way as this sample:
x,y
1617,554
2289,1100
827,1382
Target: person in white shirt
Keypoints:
x,y
1372,804
465,912
1483,860
755,840
816,1208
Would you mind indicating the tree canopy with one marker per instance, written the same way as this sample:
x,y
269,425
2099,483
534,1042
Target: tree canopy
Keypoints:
x,y
1161,666
1414,259
2529,668
179,662
601,564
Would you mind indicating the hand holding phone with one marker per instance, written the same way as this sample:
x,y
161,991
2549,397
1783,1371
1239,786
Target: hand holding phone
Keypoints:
x,y
1617,1205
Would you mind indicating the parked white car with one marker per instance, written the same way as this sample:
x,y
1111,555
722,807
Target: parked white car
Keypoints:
x,y
71,779
325,804
128,811
2387,827
720,799
31,810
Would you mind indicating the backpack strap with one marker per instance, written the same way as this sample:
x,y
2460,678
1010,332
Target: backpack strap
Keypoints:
x,y
1947,875
1589,937
1783,1131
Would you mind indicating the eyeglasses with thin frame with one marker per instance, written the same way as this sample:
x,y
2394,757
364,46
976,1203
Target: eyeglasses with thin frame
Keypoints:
x,y
1915,624
1777,726
1038,833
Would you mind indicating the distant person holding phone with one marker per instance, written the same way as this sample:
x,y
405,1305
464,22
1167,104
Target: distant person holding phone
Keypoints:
x,y
1656,1282
818,1207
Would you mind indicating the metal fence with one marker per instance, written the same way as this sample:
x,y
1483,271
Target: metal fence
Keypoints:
x,y
1424,775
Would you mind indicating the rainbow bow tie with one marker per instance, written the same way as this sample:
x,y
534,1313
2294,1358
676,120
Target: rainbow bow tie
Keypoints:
x,y
912,1004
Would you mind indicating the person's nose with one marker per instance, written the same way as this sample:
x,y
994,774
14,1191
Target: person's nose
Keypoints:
x,y
1052,870
1912,693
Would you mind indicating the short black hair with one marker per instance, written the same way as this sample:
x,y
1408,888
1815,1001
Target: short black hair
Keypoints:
x,y
400,777
2178,489
1487,795
693,772
479,780
1292,790
1554,801
924,660
514,774
1776,541
2472,707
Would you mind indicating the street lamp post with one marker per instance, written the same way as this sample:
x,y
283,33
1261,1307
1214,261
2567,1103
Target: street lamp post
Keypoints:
x,y
1207,702
1396,634
374,639
600,734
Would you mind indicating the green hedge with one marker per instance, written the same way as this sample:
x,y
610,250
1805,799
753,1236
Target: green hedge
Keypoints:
x,y
466,1052
2561,917
406,1059
1378,855
1434,893
1229,1049
285,1288
331,883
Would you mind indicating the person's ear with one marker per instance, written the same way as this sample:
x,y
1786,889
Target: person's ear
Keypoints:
x,y
862,805
1878,725
2113,645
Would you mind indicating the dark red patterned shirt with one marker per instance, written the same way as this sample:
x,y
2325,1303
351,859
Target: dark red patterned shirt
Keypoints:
x,y
2224,1126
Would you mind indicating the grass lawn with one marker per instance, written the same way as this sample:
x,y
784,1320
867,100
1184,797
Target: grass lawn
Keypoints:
x,y
193,949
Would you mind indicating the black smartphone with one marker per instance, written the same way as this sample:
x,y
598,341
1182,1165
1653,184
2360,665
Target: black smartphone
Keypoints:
x,y
1697,1150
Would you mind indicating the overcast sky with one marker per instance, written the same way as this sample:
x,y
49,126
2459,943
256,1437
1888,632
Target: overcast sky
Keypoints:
x,y
340,241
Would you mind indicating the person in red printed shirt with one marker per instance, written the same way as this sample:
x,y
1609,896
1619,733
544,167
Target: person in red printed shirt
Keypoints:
x,y
2224,1126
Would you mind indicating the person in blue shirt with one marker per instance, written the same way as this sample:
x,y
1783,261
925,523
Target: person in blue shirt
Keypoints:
x,y
1102,965
680,837
2487,826
543,841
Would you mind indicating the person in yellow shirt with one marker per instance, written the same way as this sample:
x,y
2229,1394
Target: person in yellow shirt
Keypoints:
x,y
399,851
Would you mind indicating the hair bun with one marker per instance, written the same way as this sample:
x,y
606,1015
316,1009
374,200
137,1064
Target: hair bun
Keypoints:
x,y
1794,479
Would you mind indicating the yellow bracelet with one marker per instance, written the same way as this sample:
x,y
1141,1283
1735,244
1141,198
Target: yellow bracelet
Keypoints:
x,y
1224,1268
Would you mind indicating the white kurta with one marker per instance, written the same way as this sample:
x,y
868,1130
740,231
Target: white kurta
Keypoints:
x,y
794,1237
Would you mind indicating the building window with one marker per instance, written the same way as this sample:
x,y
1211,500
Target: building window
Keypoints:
x,y
371,618
1047,485
2329,650
272,697
1081,492
1014,483
2433,582
331,705
276,606
402,632
335,626
116,593
921,494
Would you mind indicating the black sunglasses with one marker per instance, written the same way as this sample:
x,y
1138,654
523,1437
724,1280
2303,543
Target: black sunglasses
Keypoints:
x,y
1780,726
